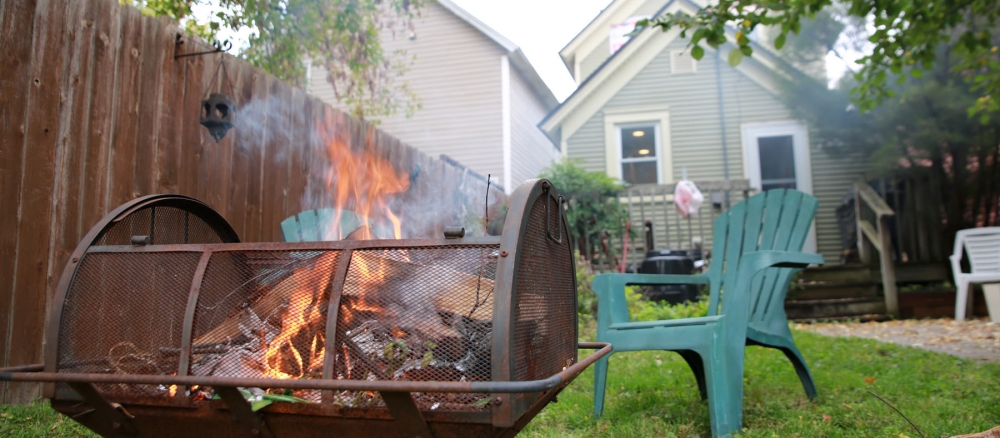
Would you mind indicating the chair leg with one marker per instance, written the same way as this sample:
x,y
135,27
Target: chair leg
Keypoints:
x,y
725,396
694,361
962,296
600,381
801,369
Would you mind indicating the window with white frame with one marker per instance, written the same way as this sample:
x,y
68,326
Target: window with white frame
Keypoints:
x,y
639,154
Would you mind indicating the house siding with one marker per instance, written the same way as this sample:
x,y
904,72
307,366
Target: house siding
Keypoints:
x,y
531,150
591,61
456,75
696,140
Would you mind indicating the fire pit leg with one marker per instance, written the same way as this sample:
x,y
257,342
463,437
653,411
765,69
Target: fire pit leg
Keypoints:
x,y
118,420
408,418
240,408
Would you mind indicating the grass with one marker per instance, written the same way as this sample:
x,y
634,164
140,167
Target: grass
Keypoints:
x,y
38,420
653,394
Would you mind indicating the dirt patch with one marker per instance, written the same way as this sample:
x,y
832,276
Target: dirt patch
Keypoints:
x,y
977,339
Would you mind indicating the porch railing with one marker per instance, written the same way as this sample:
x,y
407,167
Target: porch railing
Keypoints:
x,y
651,207
874,219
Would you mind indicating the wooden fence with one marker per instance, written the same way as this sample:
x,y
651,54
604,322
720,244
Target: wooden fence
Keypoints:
x,y
95,110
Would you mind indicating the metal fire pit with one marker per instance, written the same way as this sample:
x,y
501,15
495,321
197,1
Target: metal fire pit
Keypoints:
x,y
164,324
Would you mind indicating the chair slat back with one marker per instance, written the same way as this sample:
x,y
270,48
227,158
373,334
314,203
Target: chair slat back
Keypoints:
x,y
983,247
778,219
797,217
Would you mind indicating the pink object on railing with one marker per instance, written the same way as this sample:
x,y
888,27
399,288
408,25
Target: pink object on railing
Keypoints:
x,y
687,198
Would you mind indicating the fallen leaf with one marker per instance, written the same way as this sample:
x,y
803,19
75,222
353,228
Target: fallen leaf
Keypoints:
x,y
827,418
869,380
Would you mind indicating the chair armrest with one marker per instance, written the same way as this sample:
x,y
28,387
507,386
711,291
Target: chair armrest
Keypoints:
x,y
760,260
956,265
610,289
703,320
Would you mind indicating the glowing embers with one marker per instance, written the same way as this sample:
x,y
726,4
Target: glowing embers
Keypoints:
x,y
421,314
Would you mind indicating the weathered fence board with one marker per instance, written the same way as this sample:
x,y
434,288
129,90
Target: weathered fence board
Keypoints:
x,y
97,110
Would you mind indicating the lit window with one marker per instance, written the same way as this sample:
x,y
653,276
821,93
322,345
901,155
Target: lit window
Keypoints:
x,y
639,159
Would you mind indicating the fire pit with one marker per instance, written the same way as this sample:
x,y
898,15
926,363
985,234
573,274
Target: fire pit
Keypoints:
x,y
164,324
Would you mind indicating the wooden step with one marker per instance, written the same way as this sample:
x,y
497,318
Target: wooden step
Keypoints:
x,y
845,273
821,291
905,273
834,308
859,318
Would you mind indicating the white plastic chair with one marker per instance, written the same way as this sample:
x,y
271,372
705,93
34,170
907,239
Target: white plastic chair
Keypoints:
x,y
983,247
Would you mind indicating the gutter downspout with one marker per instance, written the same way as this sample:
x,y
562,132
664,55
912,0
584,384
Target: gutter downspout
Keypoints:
x,y
722,115
505,124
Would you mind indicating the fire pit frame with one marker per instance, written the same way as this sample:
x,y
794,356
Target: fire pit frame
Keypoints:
x,y
513,402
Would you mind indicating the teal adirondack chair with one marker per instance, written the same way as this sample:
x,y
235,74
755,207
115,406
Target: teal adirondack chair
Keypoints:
x,y
313,225
757,244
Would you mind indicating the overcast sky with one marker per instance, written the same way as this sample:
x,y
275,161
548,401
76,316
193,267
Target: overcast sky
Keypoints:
x,y
541,28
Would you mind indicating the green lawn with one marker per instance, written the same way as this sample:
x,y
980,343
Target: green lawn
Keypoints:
x,y
653,394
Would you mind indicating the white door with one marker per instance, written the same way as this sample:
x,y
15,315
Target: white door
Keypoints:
x,y
776,155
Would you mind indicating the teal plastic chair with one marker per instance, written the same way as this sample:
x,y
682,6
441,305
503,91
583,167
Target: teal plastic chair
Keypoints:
x,y
756,244
314,225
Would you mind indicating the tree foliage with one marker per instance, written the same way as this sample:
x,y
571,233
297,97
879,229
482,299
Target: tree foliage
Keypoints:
x,y
592,206
345,36
905,35
922,131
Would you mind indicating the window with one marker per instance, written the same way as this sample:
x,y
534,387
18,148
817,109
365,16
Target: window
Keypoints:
x,y
777,162
637,144
640,158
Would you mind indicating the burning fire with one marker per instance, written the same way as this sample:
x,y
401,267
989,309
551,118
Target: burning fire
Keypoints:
x,y
362,183
298,349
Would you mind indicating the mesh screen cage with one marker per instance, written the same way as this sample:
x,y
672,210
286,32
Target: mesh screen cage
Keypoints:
x,y
164,324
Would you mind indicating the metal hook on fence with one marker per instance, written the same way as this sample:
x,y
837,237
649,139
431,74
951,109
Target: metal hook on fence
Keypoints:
x,y
224,46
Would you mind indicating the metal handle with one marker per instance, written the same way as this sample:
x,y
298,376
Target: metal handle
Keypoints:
x,y
559,203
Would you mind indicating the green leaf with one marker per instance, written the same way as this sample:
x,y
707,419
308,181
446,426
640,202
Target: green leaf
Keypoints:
x,y
284,398
260,404
735,57
697,52
916,73
900,80
747,50
481,402
779,42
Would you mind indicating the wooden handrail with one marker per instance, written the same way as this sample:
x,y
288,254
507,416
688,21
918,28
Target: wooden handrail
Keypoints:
x,y
872,199
876,236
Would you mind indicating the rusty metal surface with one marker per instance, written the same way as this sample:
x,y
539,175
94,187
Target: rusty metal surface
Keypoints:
x,y
242,412
96,233
417,314
481,329
212,419
545,327
156,417
123,314
337,385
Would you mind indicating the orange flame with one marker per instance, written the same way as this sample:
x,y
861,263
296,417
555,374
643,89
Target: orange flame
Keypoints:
x,y
301,338
362,182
